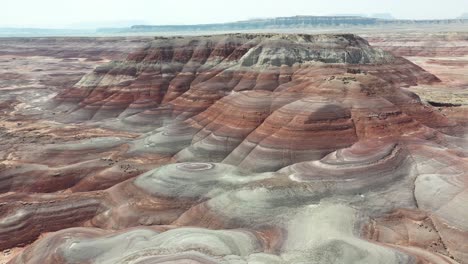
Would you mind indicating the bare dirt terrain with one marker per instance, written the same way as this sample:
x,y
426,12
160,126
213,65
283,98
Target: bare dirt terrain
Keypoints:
x,y
442,54
235,148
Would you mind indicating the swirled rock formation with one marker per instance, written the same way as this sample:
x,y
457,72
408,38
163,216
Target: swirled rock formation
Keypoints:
x,y
240,148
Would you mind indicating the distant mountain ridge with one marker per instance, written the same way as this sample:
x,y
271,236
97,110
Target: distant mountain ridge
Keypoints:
x,y
284,22
331,22
262,23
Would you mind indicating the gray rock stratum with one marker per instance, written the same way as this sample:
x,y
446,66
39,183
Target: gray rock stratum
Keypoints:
x,y
241,148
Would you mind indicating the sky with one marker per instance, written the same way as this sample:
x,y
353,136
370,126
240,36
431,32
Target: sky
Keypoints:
x,y
119,13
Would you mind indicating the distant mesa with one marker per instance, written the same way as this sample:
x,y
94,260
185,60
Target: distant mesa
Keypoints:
x,y
342,20
348,15
295,21
335,22
383,16
375,15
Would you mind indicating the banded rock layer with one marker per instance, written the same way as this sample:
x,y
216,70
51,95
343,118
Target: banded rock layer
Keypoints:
x,y
282,149
187,75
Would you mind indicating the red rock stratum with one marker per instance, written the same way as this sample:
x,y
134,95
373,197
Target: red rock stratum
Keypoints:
x,y
239,148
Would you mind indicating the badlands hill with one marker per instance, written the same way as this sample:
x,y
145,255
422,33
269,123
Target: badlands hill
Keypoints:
x,y
242,148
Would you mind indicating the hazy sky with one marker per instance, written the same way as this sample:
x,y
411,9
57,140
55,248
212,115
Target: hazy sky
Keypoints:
x,y
66,13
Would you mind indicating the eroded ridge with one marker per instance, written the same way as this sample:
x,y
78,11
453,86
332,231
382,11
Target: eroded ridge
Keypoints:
x,y
243,148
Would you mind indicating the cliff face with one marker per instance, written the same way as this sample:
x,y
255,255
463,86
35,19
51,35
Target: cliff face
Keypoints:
x,y
276,149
